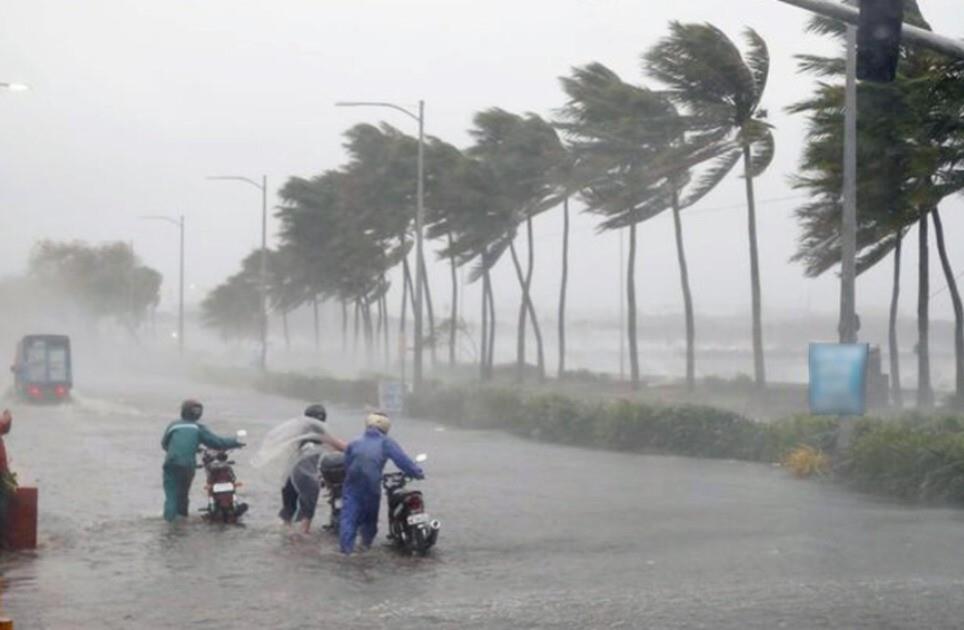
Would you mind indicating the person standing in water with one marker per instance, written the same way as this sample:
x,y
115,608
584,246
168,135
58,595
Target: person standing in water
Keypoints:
x,y
181,440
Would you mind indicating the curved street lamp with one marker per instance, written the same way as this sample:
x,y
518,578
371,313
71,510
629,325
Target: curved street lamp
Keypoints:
x,y
419,117
14,87
263,187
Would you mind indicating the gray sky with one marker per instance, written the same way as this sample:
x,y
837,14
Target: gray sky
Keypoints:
x,y
135,102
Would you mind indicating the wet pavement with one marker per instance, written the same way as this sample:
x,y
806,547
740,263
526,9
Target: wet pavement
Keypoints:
x,y
533,536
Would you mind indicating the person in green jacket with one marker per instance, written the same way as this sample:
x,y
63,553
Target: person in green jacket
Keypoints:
x,y
181,440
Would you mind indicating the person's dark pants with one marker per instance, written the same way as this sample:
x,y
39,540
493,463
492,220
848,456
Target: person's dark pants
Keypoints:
x,y
177,489
289,502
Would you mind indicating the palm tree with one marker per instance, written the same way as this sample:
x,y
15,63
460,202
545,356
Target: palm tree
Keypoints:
x,y
722,90
613,136
628,134
522,153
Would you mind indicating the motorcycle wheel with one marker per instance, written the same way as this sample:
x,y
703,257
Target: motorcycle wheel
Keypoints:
x,y
424,540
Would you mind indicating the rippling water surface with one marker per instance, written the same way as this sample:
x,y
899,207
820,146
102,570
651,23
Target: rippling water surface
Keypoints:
x,y
533,536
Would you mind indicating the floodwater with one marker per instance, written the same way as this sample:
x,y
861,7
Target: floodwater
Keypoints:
x,y
533,536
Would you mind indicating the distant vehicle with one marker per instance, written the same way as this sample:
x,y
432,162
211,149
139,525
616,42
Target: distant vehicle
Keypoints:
x,y
42,368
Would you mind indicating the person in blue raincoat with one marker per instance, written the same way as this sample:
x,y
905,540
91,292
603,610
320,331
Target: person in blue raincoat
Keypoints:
x,y
180,441
365,459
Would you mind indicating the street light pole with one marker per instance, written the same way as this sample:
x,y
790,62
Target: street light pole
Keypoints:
x,y
420,270
264,272
14,87
179,223
419,117
263,187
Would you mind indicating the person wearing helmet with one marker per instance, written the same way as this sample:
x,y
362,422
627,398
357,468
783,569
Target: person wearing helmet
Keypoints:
x,y
181,440
365,459
310,441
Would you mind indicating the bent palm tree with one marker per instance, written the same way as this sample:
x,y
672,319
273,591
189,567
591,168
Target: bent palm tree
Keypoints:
x,y
722,89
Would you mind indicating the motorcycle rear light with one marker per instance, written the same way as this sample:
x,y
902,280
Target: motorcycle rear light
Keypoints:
x,y
414,503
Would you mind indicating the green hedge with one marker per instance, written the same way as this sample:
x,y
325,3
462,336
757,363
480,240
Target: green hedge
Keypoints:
x,y
692,430
915,457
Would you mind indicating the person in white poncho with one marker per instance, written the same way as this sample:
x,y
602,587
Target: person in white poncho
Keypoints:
x,y
299,443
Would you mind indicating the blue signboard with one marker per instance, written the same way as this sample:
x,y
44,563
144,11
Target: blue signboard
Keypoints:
x,y
391,397
838,379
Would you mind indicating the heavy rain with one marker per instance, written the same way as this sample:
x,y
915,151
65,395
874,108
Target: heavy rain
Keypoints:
x,y
451,314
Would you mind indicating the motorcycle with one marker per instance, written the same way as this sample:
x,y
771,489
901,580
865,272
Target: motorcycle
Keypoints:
x,y
410,528
221,486
332,471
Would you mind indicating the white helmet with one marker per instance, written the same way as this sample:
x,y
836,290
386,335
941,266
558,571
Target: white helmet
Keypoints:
x,y
379,420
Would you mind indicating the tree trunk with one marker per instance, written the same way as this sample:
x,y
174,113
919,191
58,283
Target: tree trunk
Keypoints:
x,y
958,400
386,333
687,296
314,306
631,308
379,323
540,349
354,348
759,370
484,332
526,308
454,317
492,323
284,328
520,338
561,372
897,394
366,310
344,327
925,392
427,291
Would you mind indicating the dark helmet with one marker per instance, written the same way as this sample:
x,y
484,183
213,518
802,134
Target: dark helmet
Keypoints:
x,y
191,410
316,411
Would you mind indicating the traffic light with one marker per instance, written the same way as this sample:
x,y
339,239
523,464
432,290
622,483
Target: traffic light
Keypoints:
x,y
878,39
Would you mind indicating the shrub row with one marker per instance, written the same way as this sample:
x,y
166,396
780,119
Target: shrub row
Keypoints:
x,y
690,430
914,457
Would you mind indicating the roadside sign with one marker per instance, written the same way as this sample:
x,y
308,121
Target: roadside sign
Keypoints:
x,y
838,379
391,397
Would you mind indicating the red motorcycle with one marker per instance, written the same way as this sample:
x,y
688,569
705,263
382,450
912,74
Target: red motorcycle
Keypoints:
x,y
221,486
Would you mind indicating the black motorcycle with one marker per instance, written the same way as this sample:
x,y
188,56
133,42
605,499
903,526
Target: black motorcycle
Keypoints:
x,y
332,471
221,486
410,528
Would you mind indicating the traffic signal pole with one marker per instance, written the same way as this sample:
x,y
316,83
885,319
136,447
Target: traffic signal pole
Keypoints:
x,y
909,34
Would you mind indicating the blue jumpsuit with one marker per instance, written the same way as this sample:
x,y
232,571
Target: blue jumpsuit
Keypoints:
x,y
364,461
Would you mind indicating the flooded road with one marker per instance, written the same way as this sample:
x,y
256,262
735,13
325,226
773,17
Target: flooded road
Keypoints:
x,y
533,535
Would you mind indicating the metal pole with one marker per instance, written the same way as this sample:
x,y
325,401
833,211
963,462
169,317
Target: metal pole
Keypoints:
x,y
180,306
264,272
848,267
622,313
419,218
909,33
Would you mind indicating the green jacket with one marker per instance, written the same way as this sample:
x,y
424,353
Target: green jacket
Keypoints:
x,y
181,440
